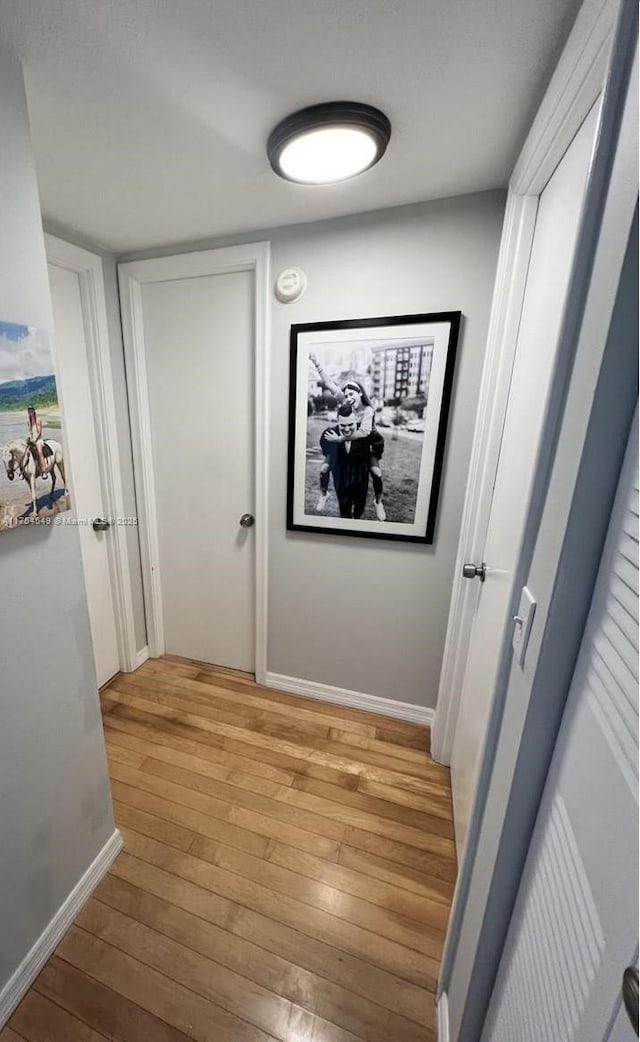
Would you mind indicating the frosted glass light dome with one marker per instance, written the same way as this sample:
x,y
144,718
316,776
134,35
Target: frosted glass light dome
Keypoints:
x,y
327,143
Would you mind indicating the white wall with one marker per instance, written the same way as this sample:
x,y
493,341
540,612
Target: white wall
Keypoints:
x,y
55,804
352,613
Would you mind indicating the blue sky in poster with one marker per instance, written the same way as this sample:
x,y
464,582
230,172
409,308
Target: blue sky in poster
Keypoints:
x,y
24,352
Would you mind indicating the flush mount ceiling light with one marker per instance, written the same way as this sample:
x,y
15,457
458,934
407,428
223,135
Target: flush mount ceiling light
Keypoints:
x,y
326,143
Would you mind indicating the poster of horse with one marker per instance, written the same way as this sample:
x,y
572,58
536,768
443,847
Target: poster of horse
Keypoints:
x,y
32,472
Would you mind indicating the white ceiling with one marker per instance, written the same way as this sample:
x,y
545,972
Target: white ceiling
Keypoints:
x,y
150,117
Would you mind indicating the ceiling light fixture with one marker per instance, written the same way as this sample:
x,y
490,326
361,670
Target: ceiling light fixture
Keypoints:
x,y
326,143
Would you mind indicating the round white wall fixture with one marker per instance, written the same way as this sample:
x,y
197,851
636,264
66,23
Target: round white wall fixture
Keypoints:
x,y
290,285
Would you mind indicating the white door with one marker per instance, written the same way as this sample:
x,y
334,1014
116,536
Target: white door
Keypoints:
x,y
198,363
83,468
575,924
556,231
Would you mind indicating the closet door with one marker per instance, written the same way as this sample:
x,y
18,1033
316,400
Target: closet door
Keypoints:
x,y
192,352
575,925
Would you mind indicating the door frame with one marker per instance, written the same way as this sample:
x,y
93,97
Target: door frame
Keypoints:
x,y
576,83
132,276
89,269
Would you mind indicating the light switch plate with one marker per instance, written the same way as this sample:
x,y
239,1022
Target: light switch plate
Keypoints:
x,y
522,623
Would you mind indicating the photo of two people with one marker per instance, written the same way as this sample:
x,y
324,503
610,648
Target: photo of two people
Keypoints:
x,y
352,448
368,419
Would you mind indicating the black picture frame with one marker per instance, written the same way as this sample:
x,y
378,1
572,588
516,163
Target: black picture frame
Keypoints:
x,y
398,347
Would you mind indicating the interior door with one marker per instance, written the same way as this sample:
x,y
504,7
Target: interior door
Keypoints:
x,y
199,352
575,924
83,465
556,231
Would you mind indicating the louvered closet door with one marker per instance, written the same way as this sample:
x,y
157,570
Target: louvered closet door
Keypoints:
x,y
575,926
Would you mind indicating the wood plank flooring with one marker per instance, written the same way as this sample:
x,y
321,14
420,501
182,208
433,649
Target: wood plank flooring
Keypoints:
x,y
287,874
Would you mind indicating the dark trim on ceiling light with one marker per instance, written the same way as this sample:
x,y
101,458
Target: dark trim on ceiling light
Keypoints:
x,y
329,114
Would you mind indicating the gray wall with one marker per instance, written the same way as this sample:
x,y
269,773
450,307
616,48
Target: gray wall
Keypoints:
x,y
55,804
353,613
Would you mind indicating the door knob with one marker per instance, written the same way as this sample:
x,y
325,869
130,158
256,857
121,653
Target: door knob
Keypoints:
x,y
247,520
100,524
630,995
470,571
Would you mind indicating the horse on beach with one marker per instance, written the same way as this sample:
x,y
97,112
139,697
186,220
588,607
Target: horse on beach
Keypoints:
x,y
13,454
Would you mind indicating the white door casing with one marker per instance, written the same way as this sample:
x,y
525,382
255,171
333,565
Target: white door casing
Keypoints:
x,y
574,88
554,242
83,363
143,285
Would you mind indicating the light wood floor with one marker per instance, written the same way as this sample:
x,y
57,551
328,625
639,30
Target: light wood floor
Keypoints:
x,y
287,874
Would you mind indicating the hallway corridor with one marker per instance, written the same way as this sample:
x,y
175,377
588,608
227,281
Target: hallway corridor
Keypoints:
x,y
287,872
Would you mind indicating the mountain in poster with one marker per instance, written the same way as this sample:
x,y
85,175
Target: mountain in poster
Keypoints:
x,y
39,391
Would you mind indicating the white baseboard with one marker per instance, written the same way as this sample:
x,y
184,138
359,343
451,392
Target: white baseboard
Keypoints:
x,y
354,699
30,967
142,656
443,1018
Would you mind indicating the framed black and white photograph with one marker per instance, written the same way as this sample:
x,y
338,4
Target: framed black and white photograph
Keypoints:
x,y
369,400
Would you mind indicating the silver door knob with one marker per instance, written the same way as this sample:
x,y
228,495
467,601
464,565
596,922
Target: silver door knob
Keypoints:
x,y
247,520
100,524
470,571
630,995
